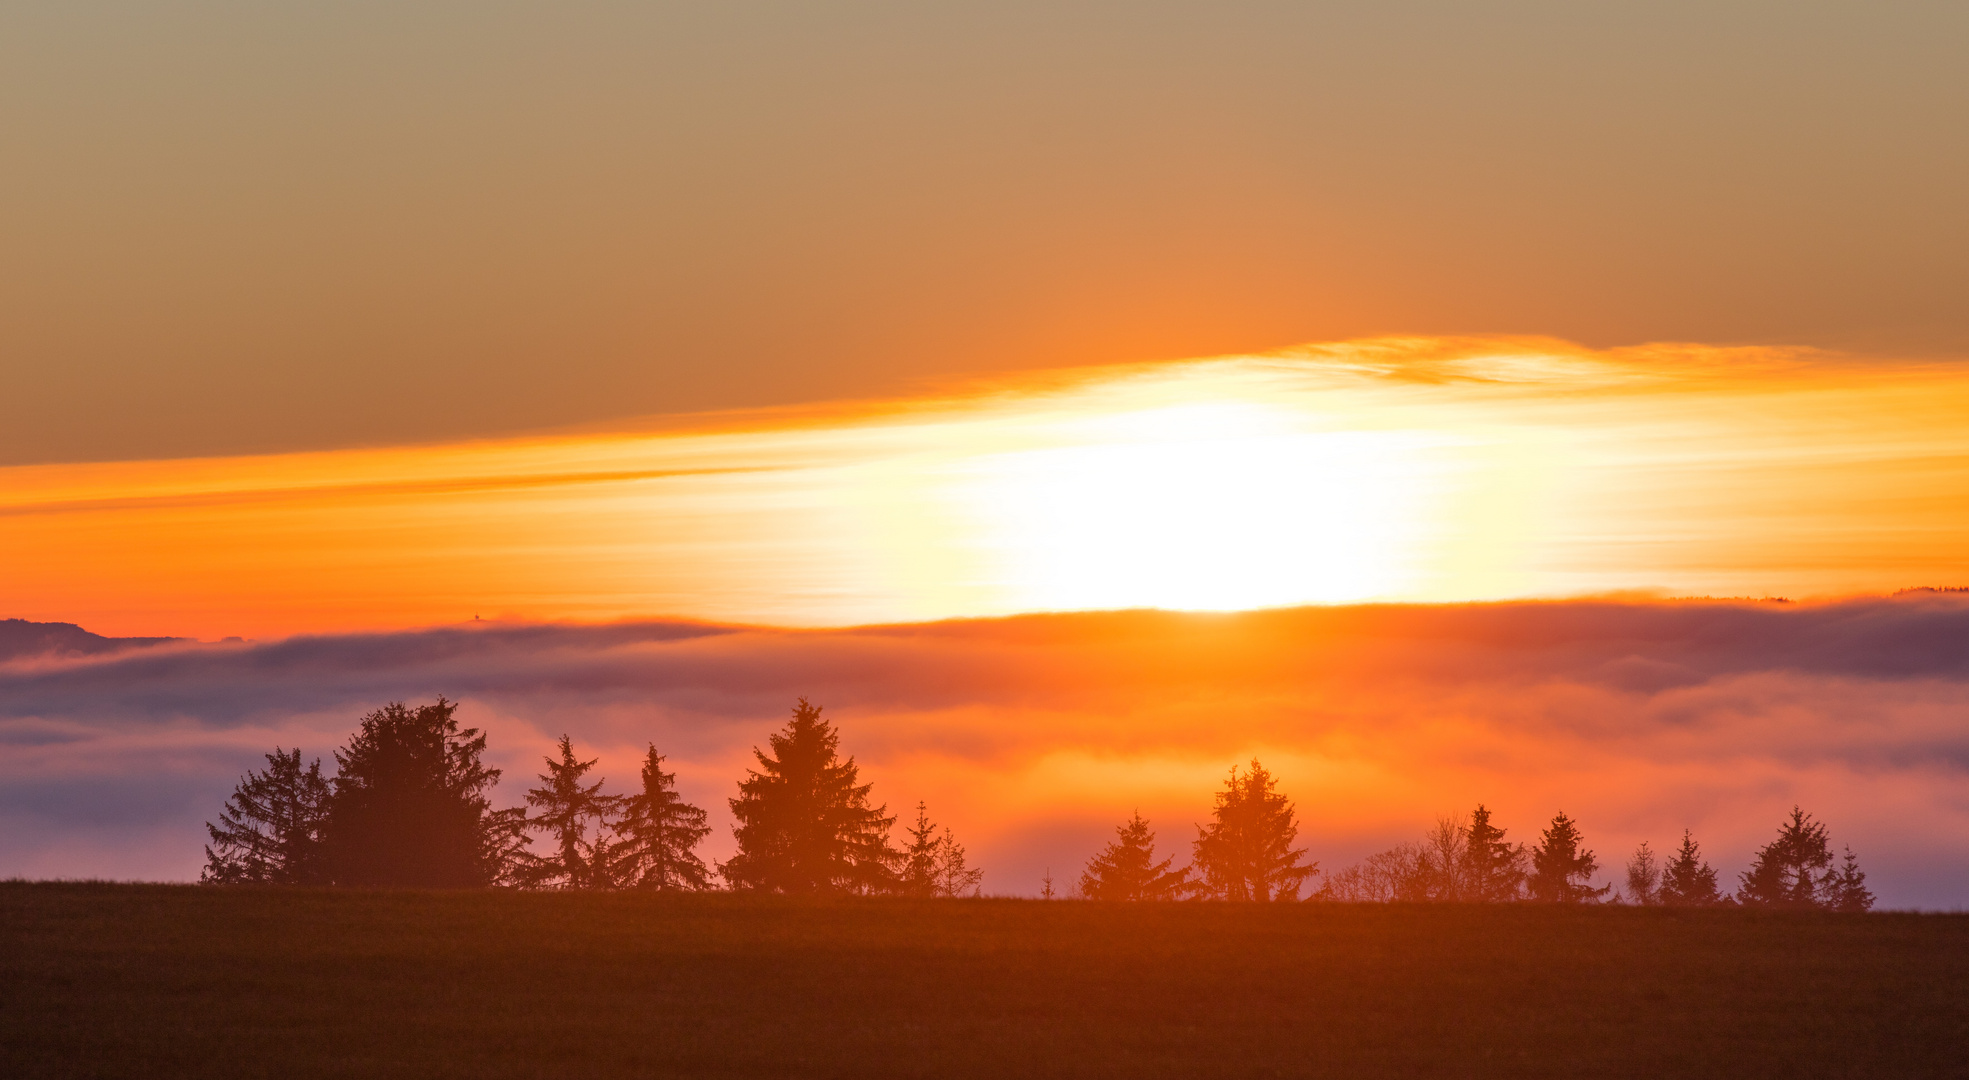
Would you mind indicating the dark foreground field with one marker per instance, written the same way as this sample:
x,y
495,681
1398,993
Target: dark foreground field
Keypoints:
x,y
182,981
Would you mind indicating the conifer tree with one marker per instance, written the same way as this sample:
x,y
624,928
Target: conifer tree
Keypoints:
x,y
919,863
574,816
1687,881
1848,891
1046,885
1493,871
1644,876
954,876
408,806
1127,869
1246,851
804,823
933,864
270,830
658,834
1792,871
1561,866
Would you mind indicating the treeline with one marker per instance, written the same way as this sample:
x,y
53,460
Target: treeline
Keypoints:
x,y
1245,853
408,807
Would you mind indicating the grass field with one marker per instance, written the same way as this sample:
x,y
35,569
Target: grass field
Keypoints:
x,y
126,980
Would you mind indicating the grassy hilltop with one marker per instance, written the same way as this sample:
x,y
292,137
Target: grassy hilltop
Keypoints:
x,y
117,980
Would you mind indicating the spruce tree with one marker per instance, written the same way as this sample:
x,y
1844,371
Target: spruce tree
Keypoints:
x,y
658,834
954,877
408,806
1493,871
1792,871
1687,881
920,862
933,863
1127,869
1644,876
1847,889
270,830
574,816
1561,866
805,825
1246,851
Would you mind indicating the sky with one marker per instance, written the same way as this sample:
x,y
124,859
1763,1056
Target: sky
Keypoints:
x,y
233,227
1536,403
1412,470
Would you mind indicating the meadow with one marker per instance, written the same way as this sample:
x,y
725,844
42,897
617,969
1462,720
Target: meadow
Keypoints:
x,y
159,980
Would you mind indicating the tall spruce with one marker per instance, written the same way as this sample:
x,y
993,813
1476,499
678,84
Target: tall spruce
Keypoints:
x,y
805,825
1246,852
658,834
408,806
575,816
1793,871
1493,871
1687,881
1127,868
1562,867
270,830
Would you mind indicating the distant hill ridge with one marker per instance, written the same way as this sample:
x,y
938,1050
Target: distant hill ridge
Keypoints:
x,y
19,638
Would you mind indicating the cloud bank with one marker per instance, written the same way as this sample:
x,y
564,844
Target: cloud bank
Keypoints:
x,y
1033,735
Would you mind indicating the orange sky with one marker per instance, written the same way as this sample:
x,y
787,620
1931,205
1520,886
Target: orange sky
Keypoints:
x,y
1395,469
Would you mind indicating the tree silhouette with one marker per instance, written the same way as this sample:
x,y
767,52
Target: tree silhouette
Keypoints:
x,y
1791,871
270,830
919,863
1401,874
1687,881
1644,876
574,816
954,876
1246,852
408,805
658,834
1492,870
1441,868
1561,866
1046,886
1848,891
1126,869
804,823
933,862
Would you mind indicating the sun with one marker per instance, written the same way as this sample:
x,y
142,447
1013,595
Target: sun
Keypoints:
x,y
1215,506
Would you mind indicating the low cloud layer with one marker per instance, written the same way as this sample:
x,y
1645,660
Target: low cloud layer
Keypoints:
x,y
1033,735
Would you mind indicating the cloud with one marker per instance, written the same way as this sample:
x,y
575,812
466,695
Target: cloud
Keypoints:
x,y
1033,735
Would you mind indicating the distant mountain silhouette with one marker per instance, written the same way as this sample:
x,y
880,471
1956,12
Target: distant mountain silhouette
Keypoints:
x,y
19,638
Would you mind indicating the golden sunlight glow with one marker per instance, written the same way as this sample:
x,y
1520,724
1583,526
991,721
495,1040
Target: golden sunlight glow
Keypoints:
x,y
1220,506
1433,470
